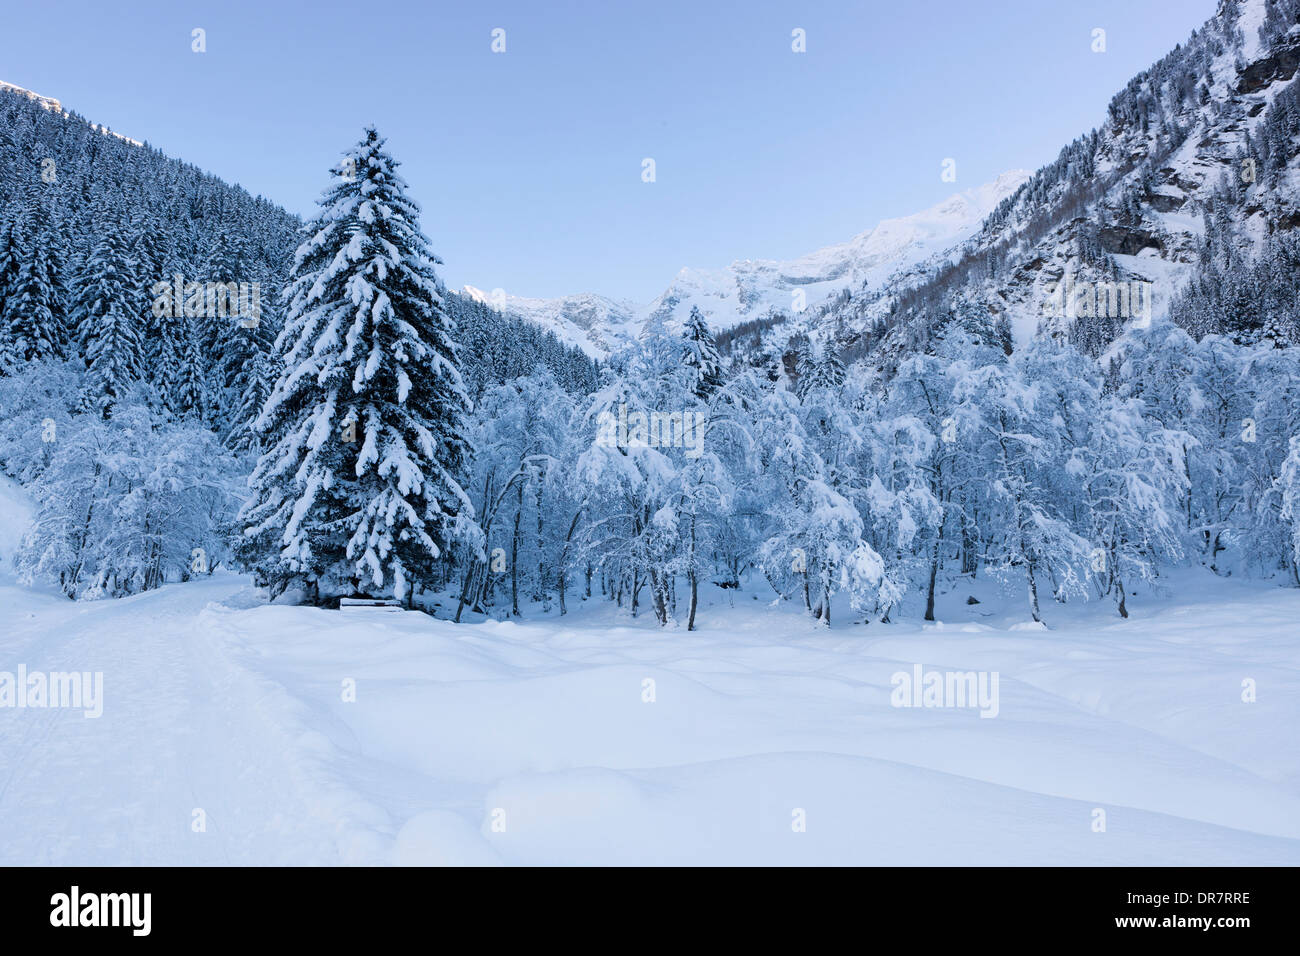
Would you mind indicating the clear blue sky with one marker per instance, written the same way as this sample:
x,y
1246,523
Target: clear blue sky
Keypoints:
x,y
528,163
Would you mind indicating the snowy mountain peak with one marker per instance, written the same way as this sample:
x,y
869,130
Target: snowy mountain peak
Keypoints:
x,y
46,101
595,323
753,288
891,240
1205,135
55,106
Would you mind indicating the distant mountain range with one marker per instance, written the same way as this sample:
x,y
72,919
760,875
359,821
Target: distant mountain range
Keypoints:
x,y
1191,181
753,288
1190,186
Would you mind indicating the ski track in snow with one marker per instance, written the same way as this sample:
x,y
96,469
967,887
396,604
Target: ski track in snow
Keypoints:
x,y
213,701
181,729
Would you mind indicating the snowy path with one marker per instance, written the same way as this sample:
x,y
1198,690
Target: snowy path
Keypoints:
x,y
178,733
213,703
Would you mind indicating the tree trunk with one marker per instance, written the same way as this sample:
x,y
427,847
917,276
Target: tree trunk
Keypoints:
x,y
659,596
82,538
464,588
695,600
541,547
514,554
694,581
564,563
934,573
471,585
968,563
1033,592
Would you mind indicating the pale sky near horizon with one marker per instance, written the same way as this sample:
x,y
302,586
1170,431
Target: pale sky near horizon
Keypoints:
x,y
528,163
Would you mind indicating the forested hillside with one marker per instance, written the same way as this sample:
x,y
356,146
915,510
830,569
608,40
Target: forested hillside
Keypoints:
x,y
140,302
191,377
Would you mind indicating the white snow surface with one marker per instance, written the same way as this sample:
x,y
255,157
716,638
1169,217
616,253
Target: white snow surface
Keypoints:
x,y
214,700
15,515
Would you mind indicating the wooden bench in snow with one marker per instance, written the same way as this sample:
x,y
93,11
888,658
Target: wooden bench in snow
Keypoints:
x,y
379,604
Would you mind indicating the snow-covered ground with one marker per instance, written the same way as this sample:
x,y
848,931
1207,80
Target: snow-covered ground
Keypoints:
x,y
762,740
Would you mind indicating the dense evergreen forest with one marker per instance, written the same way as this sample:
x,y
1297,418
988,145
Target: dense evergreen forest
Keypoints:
x,y
191,378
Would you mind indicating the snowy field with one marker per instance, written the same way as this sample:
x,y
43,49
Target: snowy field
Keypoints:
x,y
1086,377
762,740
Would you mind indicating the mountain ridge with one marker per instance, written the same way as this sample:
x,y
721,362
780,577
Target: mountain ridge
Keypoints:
x,y
750,289
1194,164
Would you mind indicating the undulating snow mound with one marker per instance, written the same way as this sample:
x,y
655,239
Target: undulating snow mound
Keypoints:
x,y
307,736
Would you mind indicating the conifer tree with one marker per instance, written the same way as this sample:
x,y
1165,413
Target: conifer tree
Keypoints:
x,y
190,398
365,429
254,384
702,355
108,325
33,318
9,262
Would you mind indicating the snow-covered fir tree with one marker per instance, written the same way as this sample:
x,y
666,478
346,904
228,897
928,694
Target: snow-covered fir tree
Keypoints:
x,y
108,323
359,490
701,355
10,263
33,306
253,384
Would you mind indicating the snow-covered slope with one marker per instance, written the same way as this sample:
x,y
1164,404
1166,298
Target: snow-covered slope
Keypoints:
x,y
54,106
753,288
1127,202
597,739
49,102
593,323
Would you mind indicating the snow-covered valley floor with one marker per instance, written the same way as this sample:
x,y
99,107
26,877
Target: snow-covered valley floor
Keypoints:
x,y
536,742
